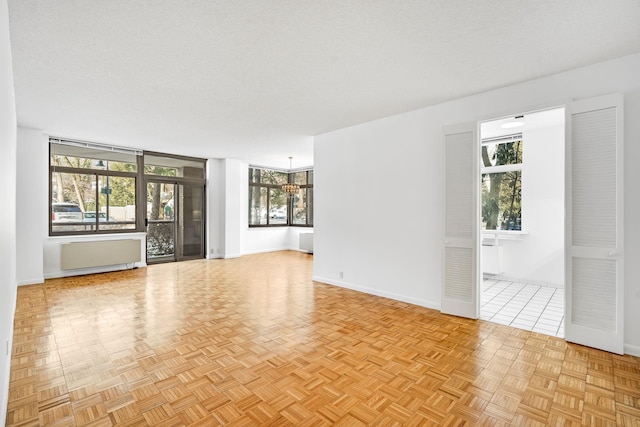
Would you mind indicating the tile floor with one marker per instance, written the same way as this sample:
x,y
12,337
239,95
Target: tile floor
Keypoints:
x,y
529,307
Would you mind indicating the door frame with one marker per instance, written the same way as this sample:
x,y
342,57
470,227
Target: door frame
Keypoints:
x,y
609,341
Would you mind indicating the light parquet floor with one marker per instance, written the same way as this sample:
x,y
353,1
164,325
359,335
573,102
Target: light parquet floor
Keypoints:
x,y
254,341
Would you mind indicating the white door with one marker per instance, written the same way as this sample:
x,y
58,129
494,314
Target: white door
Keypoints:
x,y
594,224
461,217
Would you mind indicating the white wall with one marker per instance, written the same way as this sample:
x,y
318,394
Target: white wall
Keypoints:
x,y
215,208
32,205
224,181
8,172
537,257
378,187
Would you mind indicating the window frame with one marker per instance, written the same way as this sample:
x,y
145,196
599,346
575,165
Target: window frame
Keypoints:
x,y
513,167
96,173
289,204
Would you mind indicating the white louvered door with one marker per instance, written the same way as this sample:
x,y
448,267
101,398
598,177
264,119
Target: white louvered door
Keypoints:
x,y
594,224
460,270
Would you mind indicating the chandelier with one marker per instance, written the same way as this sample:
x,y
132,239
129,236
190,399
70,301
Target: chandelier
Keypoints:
x,y
289,188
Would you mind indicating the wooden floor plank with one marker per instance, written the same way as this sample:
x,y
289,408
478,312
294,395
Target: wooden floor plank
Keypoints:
x,y
254,341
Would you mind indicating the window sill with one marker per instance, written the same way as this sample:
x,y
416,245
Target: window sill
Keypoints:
x,y
493,237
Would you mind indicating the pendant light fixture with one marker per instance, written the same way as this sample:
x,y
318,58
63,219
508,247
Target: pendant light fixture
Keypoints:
x,y
291,189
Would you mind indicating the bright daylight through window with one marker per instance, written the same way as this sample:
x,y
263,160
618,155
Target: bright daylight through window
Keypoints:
x,y
93,189
501,166
270,205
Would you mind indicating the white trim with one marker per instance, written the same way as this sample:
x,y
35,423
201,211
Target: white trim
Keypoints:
x,y
28,282
516,167
371,291
633,350
96,270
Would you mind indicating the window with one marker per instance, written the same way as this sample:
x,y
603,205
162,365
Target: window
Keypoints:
x,y
501,166
269,205
93,188
302,203
103,189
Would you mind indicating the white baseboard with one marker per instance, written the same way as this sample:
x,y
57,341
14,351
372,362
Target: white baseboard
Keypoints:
x,y
228,256
263,251
82,271
376,292
27,282
632,350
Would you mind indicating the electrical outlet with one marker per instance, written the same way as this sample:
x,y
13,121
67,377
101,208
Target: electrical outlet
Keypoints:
x,y
341,275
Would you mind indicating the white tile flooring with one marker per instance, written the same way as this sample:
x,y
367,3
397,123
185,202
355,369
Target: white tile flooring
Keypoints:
x,y
530,307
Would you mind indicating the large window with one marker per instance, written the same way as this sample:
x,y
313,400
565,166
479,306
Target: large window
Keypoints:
x,y
501,166
270,205
93,188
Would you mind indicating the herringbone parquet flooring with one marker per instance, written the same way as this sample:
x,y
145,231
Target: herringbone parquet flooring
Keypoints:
x,y
253,341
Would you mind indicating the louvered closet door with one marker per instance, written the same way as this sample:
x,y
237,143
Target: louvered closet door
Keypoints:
x,y
594,228
461,217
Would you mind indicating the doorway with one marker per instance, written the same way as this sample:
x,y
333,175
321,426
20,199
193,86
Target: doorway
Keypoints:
x,y
522,221
175,231
174,217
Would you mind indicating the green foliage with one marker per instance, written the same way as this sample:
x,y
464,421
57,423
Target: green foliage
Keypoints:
x,y
502,192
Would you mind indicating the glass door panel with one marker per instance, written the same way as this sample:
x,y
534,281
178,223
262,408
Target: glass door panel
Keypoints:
x,y
190,224
161,222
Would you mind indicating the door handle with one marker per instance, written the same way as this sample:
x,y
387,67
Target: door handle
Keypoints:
x,y
146,222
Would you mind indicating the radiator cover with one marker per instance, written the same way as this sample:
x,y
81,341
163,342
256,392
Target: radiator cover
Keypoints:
x,y
99,253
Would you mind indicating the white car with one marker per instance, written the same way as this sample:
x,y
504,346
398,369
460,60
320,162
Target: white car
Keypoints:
x,y
66,212
91,216
278,213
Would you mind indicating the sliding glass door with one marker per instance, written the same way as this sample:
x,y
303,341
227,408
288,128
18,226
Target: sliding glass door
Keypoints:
x,y
175,195
161,221
190,226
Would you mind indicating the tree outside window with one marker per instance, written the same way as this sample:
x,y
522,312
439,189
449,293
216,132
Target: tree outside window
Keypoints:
x,y
502,185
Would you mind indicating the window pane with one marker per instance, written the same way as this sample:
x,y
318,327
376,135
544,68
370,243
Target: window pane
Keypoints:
x,y
254,175
71,195
299,203
502,201
310,203
257,205
159,170
161,219
278,206
172,166
90,158
74,206
116,203
273,177
499,154
300,178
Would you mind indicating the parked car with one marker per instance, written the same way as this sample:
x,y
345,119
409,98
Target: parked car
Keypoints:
x,y
278,213
66,212
90,216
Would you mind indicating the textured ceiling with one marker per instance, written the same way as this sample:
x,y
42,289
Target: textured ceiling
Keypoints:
x,y
255,80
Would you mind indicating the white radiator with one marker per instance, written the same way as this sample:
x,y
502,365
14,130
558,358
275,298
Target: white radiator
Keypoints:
x,y
99,253
492,259
306,242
